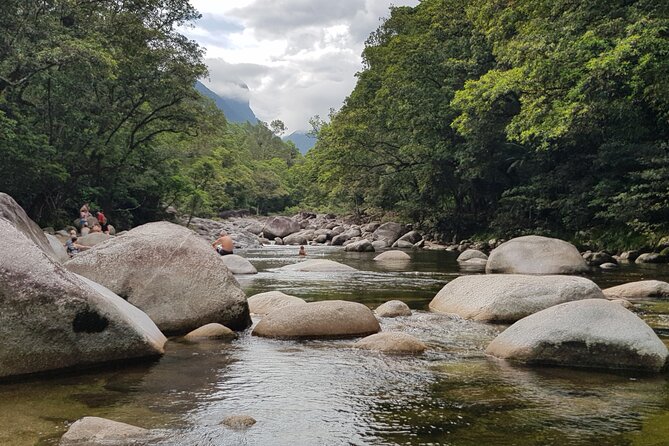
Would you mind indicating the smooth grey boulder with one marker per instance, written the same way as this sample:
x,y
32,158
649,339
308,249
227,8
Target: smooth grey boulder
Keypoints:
x,y
299,238
17,217
91,431
318,265
509,297
379,244
263,303
325,319
360,246
393,308
642,289
594,333
280,227
238,264
412,237
389,232
58,248
470,254
392,255
370,227
608,265
51,318
170,273
391,342
403,244
342,238
93,238
211,331
534,254
651,257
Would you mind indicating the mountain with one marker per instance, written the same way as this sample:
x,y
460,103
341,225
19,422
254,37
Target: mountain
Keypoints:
x,y
302,141
235,110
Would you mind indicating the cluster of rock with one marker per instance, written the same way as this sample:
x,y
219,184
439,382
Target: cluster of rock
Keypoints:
x,y
110,303
557,319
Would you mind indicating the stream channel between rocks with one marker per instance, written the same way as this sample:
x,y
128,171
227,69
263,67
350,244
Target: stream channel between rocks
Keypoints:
x,y
325,393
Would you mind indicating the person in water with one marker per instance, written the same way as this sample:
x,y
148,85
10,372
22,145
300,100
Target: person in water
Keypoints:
x,y
223,244
302,251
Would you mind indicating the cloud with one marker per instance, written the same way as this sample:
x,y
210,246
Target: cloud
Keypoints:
x,y
298,57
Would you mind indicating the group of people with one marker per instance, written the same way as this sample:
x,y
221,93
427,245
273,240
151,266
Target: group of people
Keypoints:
x,y
72,244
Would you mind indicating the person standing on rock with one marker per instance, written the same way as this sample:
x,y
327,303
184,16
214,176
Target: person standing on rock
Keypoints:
x,y
84,213
223,244
102,219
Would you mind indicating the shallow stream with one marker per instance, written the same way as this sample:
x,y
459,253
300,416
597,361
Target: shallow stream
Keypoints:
x,y
325,393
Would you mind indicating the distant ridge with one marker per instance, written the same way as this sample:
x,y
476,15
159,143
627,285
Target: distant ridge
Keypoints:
x,y
302,141
235,110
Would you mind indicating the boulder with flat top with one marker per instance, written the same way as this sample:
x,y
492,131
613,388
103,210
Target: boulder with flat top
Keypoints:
x,y
263,303
534,254
318,265
642,289
92,431
392,343
170,273
238,264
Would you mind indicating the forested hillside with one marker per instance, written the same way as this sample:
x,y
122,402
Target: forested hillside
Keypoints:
x,y
97,105
508,117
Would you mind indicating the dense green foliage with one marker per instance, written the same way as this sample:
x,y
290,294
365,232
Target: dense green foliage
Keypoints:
x,y
97,105
508,117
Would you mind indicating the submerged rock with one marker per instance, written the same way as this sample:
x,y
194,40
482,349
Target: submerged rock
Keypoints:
x,y
91,431
509,297
642,289
211,331
325,319
393,308
393,255
264,303
318,265
51,318
591,333
534,254
169,272
238,264
238,421
391,342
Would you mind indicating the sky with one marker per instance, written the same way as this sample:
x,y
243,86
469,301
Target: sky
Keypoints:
x,y
297,58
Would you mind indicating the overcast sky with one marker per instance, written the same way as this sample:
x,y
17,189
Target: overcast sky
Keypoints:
x,y
297,57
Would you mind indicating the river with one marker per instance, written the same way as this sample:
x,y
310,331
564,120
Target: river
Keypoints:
x,y
325,393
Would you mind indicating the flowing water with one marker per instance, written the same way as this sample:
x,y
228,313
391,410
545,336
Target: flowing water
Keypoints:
x,y
326,393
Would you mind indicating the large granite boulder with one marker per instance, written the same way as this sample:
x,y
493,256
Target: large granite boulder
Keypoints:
x,y
393,256
319,266
509,297
299,238
470,254
17,217
389,232
359,246
642,289
391,342
280,227
238,264
263,303
342,238
169,272
411,237
651,257
58,248
92,431
592,333
326,319
51,318
534,254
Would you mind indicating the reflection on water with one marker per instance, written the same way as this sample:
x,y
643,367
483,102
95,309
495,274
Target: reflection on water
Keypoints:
x,y
326,393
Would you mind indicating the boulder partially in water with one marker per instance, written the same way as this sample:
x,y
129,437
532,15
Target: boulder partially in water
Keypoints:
x,y
393,308
51,318
92,431
14,214
325,319
509,297
238,264
169,272
318,265
392,342
534,254
642,289
392,255
211,331
470,254
592,333
263,303
238,421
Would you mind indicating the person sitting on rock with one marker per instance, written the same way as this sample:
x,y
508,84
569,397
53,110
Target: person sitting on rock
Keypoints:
x,y
96,228
85,230
102,219
72,246
302,251
223,244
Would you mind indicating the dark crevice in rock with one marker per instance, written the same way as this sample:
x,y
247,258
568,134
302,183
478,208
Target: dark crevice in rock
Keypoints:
x,y
89,322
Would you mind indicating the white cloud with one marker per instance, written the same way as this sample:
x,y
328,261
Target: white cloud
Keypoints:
x,y
298,57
